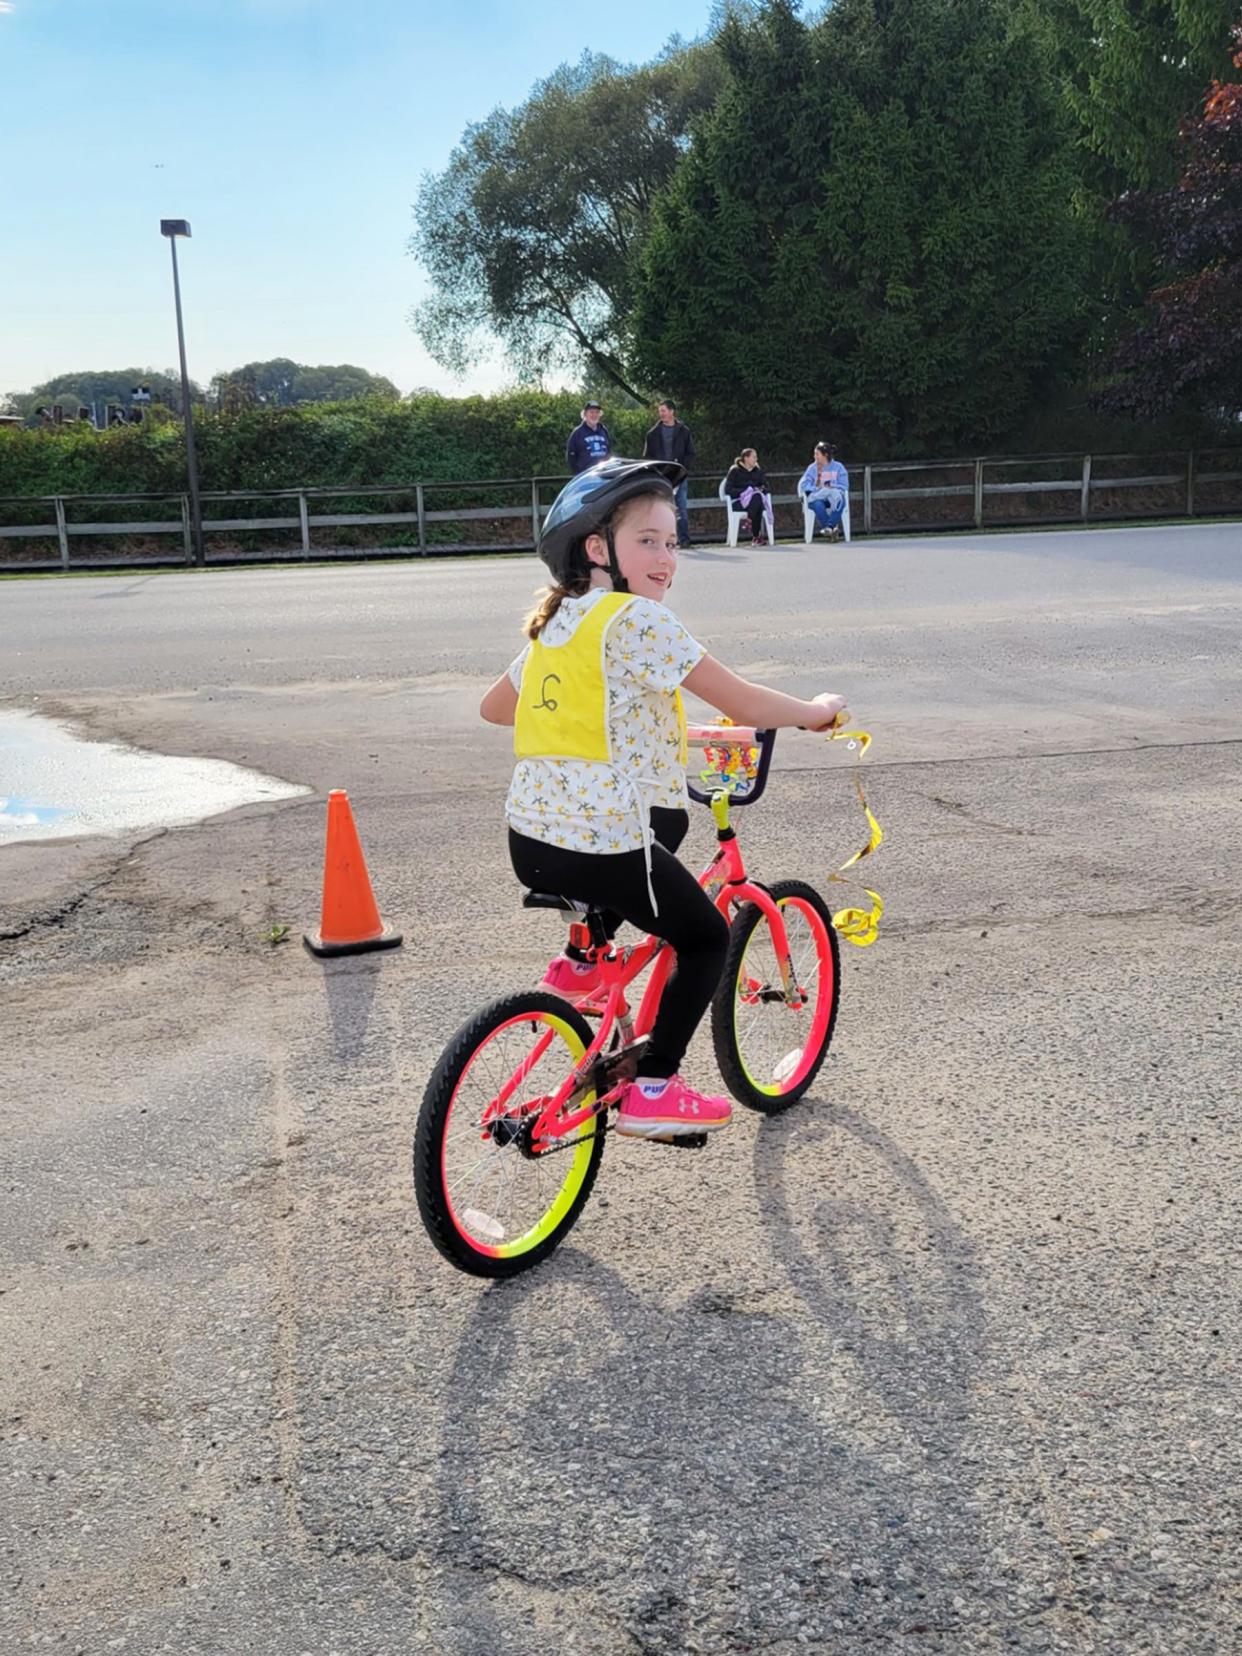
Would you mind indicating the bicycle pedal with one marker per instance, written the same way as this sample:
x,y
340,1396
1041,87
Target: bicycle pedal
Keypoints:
x,y
684,1141
620,1065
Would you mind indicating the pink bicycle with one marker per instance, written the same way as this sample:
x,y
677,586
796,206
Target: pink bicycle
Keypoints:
x,y
515,1117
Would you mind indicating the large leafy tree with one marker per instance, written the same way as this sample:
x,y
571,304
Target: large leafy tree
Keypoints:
x,y
873,226
282,383
1189,345
529,235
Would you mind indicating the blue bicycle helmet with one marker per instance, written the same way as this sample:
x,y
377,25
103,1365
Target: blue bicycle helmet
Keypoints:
x,y
587,500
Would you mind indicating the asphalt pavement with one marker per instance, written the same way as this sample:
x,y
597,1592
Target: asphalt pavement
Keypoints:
x,y
944,1360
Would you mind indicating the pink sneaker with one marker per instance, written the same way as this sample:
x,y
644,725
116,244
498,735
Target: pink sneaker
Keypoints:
x,y
572,979
673,1112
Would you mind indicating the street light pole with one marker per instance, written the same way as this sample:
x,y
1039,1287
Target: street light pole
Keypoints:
x,y
172,228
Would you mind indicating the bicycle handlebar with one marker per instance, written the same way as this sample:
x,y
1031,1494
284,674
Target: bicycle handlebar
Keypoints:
x,y
735,736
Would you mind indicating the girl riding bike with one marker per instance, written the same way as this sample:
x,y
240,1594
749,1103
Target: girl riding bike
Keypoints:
x,y
597,807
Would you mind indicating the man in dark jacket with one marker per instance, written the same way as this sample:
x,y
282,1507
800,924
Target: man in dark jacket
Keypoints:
x,y
589,443
670,439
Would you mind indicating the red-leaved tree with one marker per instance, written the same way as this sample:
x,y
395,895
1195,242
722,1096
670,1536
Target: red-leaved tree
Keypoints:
x,y
1189,345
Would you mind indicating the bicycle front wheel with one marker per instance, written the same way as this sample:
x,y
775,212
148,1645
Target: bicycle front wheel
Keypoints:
x,y
770,1041
492,1204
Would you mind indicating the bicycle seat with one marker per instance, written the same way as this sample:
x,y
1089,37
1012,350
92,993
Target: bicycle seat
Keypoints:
x,y
553,900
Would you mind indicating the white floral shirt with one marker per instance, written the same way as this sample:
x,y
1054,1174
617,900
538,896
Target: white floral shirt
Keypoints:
x,y
590,805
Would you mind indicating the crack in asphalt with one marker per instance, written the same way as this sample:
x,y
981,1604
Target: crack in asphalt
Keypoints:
x,y
1052,753
1205,909
44,919
958,809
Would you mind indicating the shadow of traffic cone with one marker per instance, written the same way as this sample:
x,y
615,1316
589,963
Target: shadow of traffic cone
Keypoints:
x,y
350,922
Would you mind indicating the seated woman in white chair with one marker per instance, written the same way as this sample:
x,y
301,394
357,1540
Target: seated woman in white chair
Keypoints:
x,y
747,487
824,485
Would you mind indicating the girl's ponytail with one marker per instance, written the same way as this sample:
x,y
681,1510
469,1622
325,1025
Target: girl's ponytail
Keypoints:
x,y
550,600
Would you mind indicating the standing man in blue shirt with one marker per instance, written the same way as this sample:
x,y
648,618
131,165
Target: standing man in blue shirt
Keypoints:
x,y
589,443
670,439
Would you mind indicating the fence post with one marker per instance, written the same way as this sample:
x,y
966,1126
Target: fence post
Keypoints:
x,y
1086,487
422,520
62,534
534,509
304,519
186,534
978,494
866,500
1190,484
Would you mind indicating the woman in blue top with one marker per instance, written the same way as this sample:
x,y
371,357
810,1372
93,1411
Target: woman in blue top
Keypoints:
x,y
825,487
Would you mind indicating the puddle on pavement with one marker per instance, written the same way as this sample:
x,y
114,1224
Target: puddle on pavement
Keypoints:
x,y
55,785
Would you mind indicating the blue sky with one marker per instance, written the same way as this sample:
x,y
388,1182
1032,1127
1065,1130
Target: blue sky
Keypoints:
x,y
291,133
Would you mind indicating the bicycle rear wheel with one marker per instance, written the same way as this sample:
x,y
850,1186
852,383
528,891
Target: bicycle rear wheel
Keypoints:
x,y
491,1204
770,1046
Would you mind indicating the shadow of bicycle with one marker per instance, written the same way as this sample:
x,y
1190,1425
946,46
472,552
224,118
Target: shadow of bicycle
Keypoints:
x,y
739,1468
889,1279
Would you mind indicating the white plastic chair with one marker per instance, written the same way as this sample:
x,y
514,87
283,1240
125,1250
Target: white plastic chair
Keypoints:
x,y
736,516
808,519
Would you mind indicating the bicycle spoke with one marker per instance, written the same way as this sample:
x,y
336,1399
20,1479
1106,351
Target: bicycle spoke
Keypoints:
x,y
483,1162
471,1196
772,1034
507,1079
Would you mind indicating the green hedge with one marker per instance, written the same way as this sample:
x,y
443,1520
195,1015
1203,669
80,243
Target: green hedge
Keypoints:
x,y
426,439
366,441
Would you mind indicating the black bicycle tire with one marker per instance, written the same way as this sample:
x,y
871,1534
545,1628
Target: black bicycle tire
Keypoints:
x,y
433,1205
724,1002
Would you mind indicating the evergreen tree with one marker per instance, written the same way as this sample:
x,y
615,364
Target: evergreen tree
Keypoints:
x,y
1134,70
1189,345
1131,72
730,291
874,226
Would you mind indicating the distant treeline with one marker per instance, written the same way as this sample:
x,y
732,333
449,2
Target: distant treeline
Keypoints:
x,y
277,383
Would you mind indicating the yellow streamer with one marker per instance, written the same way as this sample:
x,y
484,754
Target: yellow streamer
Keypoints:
x,y
857,925
730,767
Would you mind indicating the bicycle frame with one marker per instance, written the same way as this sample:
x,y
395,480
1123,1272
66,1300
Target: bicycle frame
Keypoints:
x,y
726,872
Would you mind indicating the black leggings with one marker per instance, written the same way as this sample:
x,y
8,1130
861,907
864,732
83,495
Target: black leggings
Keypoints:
x,y
617,883
757,512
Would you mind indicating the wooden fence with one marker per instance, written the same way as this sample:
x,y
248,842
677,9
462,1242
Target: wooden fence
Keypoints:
x,y
64,532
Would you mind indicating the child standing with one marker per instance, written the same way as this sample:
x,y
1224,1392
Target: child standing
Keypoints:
x,y
598,804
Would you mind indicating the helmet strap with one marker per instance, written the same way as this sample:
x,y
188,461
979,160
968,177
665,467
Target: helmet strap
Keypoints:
x,y
619,582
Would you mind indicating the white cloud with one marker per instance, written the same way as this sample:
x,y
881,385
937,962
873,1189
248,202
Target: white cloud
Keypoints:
x,y
15,819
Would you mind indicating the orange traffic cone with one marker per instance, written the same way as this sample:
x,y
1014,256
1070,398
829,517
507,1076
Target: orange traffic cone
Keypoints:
x,y
350,923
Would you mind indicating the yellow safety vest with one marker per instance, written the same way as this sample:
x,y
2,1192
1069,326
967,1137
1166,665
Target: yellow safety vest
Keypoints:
x,y
562,710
